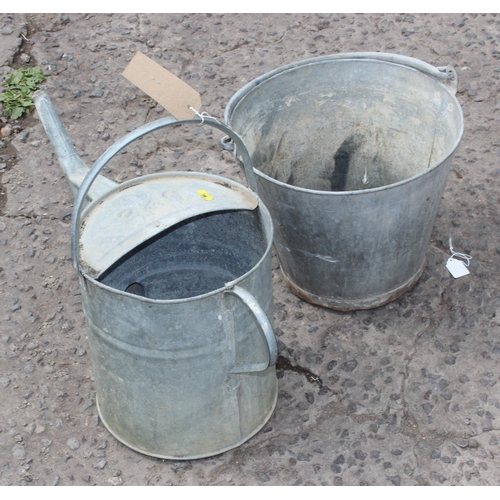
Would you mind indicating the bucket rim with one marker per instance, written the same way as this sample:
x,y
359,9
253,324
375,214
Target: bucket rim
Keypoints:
x,y
268,229
379,57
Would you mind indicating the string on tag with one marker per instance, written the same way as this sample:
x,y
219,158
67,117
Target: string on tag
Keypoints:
x,y
458,268
202,115
463,256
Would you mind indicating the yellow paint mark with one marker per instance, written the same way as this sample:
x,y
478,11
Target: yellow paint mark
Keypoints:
x,y
206,196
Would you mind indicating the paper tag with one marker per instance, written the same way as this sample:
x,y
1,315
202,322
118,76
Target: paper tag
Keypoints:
x,y
457,268
164,87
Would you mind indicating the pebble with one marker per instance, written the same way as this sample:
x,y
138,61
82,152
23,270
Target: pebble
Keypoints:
x,y
73,443
181,466
263,477
19,452
93,420
331,365
100,465
487,425
349,366
29,367
450,360
24,136
427,407
102,445
87,404
395,480
6,131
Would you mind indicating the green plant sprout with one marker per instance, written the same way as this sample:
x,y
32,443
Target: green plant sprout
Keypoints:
x,y
20,84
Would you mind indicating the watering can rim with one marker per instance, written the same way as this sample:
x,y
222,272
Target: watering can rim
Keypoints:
x,y
106,235
268,230
444,73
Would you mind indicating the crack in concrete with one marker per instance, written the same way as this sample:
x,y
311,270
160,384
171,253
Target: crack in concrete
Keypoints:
x,y
284,364
37,218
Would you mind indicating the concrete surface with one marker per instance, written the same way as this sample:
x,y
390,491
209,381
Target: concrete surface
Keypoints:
x,y
406,394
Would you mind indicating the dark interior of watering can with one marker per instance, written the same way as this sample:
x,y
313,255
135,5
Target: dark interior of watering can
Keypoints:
x,y
347,124
194,257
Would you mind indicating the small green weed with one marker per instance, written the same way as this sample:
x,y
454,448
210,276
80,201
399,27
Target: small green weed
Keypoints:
x,y
21,84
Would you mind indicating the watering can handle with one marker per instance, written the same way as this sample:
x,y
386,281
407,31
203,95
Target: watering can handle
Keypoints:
x,y
265,327
124,142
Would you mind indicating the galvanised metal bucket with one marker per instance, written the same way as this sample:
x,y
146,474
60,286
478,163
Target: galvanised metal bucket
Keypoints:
x,y
351,153
179,326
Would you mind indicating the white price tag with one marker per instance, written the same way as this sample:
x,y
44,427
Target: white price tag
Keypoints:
x,y
457,268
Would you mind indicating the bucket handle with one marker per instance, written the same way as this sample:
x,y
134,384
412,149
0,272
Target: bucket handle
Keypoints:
x,y
265,328
445,73
124,142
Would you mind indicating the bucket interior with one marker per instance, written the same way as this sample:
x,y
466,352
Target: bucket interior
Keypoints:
x,y
347,124
194,257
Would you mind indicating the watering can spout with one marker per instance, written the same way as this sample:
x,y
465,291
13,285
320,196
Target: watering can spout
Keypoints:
x,y
71,164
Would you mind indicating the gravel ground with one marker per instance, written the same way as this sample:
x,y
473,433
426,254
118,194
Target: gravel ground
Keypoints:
x,y
406,394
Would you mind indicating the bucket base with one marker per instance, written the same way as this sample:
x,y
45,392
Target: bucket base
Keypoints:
x,y
353,305
191,456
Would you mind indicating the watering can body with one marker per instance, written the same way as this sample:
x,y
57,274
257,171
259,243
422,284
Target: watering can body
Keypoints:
x,y
178,312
